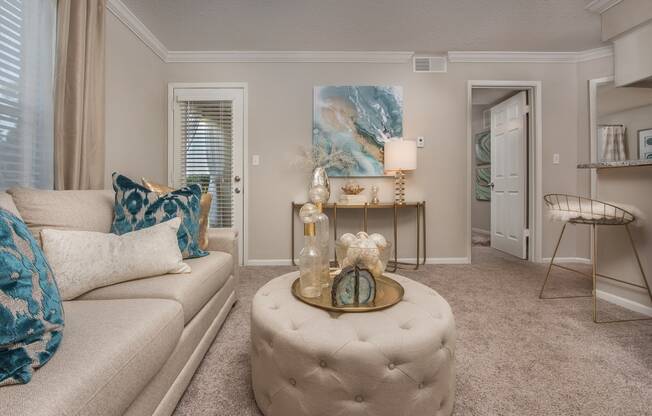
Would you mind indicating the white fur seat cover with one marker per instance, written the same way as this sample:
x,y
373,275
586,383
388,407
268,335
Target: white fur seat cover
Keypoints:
x,y
308,362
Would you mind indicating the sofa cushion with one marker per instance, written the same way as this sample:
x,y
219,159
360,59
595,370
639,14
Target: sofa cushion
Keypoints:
x,y
136,207
7,203
86,260
110,351
192,290
64,210
31,318
204,208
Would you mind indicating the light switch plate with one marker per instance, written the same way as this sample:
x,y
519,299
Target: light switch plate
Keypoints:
x,y
555,159
421,141
255,160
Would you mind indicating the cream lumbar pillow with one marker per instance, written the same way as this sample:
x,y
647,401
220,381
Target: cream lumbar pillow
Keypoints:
x,y
85,260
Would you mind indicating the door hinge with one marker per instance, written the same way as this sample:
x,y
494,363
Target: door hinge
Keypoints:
x,y
526,109
526,232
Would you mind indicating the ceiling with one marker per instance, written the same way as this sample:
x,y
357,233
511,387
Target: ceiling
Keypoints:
x,y
434,26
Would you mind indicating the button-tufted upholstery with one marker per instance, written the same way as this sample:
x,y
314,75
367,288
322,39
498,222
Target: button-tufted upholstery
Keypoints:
x,y
395,362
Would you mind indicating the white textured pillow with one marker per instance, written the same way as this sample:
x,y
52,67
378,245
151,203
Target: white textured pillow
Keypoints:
x,y
85,260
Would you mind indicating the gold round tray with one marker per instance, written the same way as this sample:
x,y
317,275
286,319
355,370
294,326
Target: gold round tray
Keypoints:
x,y
388,293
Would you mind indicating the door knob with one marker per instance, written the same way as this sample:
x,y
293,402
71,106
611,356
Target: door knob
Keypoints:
x,y
236,190
237,179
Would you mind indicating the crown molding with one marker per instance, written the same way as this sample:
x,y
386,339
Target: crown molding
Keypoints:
x,y
530,57
129,19
597,53
291,56
601,6
126,16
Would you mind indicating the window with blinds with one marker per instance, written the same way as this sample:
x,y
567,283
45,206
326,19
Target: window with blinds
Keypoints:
x,y
27,32
205,154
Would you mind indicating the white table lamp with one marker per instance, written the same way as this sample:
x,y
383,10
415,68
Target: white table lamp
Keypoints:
x,y
400,156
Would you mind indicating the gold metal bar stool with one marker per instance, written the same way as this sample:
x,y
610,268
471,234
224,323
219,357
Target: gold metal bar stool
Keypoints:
x,y
579,210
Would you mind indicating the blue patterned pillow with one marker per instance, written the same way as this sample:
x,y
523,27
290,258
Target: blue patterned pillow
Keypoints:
x,y
31,317
136,208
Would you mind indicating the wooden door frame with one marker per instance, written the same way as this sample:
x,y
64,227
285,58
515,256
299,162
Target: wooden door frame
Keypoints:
x,y
535,160
244,233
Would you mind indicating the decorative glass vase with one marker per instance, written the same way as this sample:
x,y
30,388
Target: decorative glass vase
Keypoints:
x,y
319,196
310,259
322,226
319,177
310,264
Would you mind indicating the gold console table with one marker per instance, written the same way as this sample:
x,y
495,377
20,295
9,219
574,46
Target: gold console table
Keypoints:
x,y
418,207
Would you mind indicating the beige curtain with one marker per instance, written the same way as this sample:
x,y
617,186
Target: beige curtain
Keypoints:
x,y
79,97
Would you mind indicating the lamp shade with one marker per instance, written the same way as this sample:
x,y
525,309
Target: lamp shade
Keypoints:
x,y
400,155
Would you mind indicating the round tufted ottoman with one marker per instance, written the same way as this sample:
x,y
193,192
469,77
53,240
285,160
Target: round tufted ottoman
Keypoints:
x,y
395,362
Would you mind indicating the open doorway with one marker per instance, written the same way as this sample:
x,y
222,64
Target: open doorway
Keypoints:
x,y
503,155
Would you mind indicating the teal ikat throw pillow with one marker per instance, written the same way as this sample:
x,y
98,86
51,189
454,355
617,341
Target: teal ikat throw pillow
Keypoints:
x,y
136,208
31,316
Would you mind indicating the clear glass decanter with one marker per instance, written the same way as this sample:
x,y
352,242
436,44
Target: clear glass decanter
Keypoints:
x,y
321,225
310,264
319,196
309,257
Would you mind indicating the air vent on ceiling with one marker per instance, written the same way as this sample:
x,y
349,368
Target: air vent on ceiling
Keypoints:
x,y
429,63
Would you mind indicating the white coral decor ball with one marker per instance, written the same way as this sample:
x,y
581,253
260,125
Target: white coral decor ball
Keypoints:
x,y
369,252
354,253
380,241
376,268
347,239
362,252
362,235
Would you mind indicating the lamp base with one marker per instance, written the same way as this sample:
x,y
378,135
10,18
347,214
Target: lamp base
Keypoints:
x,y
399,187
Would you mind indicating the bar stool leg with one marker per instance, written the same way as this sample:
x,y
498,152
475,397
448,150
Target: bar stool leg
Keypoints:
x,y
552,260
594,261
638,261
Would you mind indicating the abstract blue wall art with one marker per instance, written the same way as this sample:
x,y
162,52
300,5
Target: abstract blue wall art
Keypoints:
x,y
357,120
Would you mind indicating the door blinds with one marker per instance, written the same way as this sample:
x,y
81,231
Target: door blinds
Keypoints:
x,y
205,150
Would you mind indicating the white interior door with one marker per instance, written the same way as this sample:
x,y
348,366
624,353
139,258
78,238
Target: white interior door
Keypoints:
x,y
207,147
509,175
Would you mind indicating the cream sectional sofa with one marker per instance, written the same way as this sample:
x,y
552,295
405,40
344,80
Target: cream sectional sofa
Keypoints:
x,y
129,348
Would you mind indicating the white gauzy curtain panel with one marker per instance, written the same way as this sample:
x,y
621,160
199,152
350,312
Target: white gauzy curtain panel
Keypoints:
x,y
27,43
613,143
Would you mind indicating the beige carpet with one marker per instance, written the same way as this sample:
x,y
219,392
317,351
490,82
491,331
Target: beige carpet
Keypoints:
x,y
516,354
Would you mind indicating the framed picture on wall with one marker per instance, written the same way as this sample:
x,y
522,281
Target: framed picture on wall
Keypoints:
x,y
356,120
482,180
645,144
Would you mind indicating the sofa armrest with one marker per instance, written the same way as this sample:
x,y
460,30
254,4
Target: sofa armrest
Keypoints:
x,y
226,240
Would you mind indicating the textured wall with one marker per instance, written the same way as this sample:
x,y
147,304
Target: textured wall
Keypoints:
x,y
280,119
136,94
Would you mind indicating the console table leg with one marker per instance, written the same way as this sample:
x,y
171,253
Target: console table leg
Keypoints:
x,y
292,237
416,266
423,212
335,229
395,238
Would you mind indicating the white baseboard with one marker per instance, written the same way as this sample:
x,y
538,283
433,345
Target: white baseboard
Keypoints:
x,y
480,231
444,260
581,260
625,303
268,262
429,260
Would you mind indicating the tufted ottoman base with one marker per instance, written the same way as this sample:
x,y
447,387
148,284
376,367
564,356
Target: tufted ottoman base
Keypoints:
x,y
395,362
